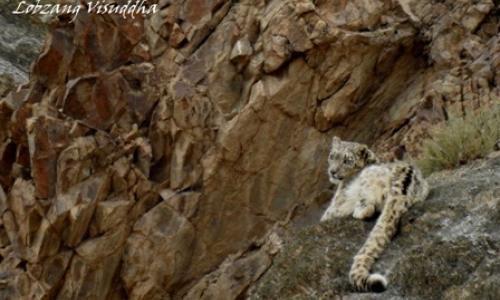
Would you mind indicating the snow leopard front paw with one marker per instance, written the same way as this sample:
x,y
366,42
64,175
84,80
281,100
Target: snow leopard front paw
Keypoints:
x,y
363,212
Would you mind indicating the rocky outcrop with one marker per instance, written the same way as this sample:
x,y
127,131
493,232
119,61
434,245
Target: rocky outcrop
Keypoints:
x,y
20,41
447,247
151,158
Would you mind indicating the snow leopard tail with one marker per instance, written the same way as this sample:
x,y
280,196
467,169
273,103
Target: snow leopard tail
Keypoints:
x,y
395,206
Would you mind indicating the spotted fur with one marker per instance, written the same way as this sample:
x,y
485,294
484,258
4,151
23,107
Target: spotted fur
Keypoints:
x,y
365,186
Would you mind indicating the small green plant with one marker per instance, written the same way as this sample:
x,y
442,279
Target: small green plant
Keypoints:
x,y
460,140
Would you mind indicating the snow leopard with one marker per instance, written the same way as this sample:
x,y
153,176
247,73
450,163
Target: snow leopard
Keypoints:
x,y
366,186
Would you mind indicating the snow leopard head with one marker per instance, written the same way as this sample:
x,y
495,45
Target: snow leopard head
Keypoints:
x,y
348,158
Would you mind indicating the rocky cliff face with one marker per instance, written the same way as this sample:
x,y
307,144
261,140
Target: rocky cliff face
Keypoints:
x,y
151,158
447,247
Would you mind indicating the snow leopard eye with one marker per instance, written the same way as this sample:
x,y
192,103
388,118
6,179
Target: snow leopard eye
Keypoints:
x,y
348,160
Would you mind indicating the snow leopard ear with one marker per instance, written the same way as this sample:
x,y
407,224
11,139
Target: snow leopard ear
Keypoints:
x,y
368,156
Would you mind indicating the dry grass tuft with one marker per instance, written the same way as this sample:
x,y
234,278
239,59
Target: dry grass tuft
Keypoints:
x,y
460,140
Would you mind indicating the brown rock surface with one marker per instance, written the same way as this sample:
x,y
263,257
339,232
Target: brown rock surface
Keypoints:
x,y
150,158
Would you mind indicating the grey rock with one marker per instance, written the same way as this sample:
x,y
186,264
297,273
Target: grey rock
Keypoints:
x,y
21,40
447,247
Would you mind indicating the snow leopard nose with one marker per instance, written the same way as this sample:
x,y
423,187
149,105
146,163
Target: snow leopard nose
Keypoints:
x,y
334,175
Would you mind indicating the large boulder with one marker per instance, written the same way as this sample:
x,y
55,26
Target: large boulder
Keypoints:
x,y
447,247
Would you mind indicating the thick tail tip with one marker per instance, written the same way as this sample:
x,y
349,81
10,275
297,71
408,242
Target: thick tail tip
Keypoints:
x,y
377,283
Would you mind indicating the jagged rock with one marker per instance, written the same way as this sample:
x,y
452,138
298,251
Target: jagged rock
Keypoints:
x,y
173,144
27,213
242,48
177,36
232,278
49,274
15,281
157,252
3,200
46,138
237,272
111,213
184,204
304,7
447,247
75,163
94,266
78,205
